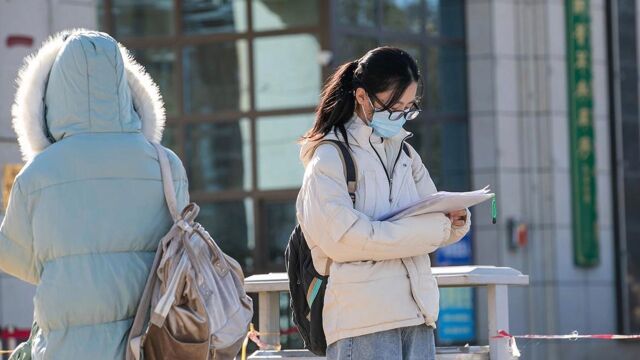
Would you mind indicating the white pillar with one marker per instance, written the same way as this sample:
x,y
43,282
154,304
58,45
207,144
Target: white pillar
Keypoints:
x,y
269,317
498,314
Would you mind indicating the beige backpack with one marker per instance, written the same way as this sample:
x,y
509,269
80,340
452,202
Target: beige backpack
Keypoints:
x,y
194,305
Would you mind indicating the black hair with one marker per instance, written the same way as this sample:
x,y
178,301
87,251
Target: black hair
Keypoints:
x,y
379,70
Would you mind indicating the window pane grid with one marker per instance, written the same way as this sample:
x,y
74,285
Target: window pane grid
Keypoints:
x,y
231,103
220,121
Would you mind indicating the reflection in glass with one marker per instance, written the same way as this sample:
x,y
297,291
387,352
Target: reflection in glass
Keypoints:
x,y
169,138
287,71
160,64
213,16
455,156
444,149
230,224
216,77
356,12
279,221
279,166
445,18
100,14
426,141
416,127
353,47
446,80
290,338
142,17
279,14
402,15
218,156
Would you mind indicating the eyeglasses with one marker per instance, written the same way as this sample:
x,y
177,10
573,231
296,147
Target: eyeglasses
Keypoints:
x,y
409,114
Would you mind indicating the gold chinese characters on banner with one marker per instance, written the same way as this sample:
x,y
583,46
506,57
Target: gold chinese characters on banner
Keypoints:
x,y
9,174
586,247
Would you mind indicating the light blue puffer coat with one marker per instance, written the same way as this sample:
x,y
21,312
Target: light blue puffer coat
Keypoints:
x,y
87,211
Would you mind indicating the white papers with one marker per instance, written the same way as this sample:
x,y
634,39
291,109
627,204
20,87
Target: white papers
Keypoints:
x,y
441,201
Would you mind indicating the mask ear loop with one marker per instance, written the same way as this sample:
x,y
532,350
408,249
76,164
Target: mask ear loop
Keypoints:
x,y
373,111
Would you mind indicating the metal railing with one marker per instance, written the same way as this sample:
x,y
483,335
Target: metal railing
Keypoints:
x,y
495,279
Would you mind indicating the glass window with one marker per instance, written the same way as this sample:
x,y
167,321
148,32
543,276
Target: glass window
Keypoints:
x,y
402,15
290,338
279,220
444,148
218,156
445,80
169,138
216,77
142,17
455,156
630,139
445,18
287,71
353,47
432,158
100,17
160,64
416,127
213,16
230,224
279,166
281,14
356,12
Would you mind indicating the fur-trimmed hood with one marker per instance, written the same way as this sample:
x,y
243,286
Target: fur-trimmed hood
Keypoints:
x,y
83,81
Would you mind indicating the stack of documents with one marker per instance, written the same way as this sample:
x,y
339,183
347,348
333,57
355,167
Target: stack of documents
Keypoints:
x,y
441,201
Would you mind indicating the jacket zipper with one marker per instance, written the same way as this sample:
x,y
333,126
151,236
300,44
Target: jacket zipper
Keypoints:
x,y
386,172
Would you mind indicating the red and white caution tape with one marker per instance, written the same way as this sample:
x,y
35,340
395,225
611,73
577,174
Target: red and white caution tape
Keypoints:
x,y
573,336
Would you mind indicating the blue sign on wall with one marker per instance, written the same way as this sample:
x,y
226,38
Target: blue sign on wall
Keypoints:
x,y
456,322
456,254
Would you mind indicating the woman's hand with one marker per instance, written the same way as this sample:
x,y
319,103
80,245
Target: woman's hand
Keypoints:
x,y
458,217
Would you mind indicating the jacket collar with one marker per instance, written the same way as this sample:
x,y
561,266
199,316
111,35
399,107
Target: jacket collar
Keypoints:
x,y
358,134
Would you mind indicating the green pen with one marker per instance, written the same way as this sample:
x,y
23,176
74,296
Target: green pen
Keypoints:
x,y
494,211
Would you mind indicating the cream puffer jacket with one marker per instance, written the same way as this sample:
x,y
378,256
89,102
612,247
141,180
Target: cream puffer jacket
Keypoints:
x,y
380,277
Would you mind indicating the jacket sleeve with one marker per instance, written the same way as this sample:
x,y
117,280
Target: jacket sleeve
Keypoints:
x,y
16,238
327,217
425,187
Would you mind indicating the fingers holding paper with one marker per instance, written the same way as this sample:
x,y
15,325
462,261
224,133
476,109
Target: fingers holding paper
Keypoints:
x,y
460,225
458,217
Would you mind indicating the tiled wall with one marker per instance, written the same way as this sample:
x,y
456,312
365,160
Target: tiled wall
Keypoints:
x,y
520,145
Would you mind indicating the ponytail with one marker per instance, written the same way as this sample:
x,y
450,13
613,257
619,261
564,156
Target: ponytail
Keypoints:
x,y
381,69
337,103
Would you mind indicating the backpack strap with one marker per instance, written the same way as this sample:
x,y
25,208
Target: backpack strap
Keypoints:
x,y
348,165
167,182
136,333
350,175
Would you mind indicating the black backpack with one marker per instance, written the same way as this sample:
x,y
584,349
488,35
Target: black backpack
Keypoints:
x,y
306,285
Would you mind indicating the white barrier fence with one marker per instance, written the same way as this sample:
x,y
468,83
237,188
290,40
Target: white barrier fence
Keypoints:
x,y
495,279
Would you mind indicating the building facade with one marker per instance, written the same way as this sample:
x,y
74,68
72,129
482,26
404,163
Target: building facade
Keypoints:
x,y
506,84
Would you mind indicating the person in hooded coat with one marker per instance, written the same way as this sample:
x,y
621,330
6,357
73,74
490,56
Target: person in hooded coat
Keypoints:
x,y
87,211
